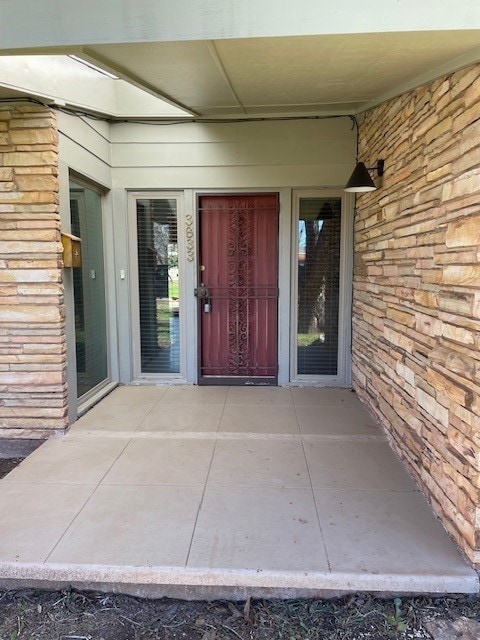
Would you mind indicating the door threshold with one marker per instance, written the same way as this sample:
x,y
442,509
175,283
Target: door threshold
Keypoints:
x,y
237,381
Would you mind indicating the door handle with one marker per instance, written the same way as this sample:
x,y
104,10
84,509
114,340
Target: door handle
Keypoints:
x,y
201,292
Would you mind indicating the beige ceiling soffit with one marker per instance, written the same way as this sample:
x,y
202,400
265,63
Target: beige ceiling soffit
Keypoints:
x,y
214,53
41,51
126,75
455,64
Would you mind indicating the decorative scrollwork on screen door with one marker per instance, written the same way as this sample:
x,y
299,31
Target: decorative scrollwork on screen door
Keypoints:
x,y
240,255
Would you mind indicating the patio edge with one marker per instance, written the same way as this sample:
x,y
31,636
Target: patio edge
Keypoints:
x,y
205,583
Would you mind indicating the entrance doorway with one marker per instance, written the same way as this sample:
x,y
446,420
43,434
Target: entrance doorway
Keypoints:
x,y
238,289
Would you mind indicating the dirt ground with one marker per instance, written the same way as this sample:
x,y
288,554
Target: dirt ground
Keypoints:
x,y
7,464
73,615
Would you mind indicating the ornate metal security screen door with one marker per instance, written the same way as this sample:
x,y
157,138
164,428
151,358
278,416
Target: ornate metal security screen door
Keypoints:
x,y
238,289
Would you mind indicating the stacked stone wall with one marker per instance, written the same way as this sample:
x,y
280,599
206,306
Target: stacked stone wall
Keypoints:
x,y
32,327
416,324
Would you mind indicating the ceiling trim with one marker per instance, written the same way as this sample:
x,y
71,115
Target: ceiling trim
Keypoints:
x,y
214,53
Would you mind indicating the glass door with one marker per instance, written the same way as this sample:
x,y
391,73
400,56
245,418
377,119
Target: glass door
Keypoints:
x,y
89,290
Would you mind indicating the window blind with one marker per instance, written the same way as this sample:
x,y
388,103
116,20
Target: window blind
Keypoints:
x,y
318,255
157,247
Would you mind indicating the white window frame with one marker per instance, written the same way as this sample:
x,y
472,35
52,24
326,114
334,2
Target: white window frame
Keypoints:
x,y
343,377
92,396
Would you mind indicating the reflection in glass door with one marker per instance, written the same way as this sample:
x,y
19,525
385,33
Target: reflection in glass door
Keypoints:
x,y
318,285
158,288
89,290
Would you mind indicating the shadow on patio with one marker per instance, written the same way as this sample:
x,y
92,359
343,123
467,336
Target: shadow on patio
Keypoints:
x,y
223,492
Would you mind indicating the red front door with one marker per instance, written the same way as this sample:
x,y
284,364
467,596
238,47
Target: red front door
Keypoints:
x,y
238,301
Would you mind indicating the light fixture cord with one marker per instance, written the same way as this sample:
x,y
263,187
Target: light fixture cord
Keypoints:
x,y
356,127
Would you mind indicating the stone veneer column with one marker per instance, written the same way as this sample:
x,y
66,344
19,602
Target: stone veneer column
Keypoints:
x,y
416,326
32,327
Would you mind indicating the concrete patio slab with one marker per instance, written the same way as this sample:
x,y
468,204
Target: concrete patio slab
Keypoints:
x,y
69,461
259,419
355,465
156,462
132,525
258,528
188,417
223,492
338,420
259,463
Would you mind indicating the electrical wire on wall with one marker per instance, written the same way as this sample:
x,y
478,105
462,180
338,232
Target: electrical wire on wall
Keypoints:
x,y
72,111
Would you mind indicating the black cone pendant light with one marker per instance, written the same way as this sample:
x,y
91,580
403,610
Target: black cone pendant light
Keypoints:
x,y
361,181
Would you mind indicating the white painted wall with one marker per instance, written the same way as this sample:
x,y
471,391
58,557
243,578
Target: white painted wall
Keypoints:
x,y
30,23
84,144
84,148
297,153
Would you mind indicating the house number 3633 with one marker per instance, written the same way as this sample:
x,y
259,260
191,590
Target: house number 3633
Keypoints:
x,y
190,237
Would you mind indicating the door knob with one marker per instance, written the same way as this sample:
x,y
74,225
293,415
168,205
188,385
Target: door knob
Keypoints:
x,y
201,291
